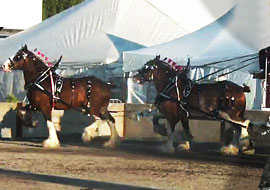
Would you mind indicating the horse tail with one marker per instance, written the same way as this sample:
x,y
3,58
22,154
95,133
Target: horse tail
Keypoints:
x,y
246,88
243,88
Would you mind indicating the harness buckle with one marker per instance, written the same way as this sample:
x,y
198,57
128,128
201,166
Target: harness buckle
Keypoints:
x,y
58,87
187,89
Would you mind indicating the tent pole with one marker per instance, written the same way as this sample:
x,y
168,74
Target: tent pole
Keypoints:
x,y
267,86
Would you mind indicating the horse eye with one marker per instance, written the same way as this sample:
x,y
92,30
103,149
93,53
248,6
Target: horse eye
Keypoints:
x,y
18,57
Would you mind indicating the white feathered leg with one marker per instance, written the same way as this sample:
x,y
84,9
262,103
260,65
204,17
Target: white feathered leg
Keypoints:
x,y
91,131
114,140
52,141
168,147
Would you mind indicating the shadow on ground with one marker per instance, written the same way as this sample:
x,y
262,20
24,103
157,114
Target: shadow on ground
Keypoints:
x,y
208,152
89,184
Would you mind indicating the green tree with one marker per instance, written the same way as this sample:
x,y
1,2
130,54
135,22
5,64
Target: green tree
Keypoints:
x,y
52,7
11,98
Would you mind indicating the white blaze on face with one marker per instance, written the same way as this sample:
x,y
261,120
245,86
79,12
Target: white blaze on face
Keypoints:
x,y
6,65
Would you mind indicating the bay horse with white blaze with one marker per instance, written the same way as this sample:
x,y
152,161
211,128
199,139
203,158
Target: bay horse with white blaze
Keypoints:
x,y
178,97
88,93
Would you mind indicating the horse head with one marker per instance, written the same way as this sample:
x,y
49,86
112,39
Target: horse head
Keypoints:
x,y
155,69
24,60
147,71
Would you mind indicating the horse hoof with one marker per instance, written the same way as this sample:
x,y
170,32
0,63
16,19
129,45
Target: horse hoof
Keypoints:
x,y
184,146
88,135
86,138
111,144
248,151
229,150
49,143
167,149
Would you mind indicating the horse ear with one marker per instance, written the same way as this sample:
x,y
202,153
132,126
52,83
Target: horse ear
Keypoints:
x,y
158,57
188,64
25,47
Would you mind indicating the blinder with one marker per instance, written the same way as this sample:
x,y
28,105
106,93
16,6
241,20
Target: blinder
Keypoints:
x,y
11,63
143,71
22,54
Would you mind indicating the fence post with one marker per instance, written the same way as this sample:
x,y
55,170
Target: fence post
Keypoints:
x,y
18,122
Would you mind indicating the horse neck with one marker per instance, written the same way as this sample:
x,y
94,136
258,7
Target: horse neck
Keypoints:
x,y
161,79
31,72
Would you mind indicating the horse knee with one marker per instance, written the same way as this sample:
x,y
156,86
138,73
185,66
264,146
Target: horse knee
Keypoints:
x,y
107,116
103,110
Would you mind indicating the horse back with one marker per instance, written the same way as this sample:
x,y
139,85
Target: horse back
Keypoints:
x,y
78,91
222,86
222,95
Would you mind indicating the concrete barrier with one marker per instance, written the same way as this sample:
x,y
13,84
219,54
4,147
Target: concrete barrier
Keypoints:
x,y
71,121
8,119
259,117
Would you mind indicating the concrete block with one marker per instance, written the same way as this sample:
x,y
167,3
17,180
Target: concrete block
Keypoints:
x,y
8,119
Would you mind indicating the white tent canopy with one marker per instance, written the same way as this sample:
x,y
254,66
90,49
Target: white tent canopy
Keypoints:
x,y
244,30
233,40
97,31
93,31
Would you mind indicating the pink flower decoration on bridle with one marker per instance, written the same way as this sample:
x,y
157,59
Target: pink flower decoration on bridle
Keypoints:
x,y
46,59
50,64
173,64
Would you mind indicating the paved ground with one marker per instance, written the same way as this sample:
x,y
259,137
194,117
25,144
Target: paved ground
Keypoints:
x,y
134,165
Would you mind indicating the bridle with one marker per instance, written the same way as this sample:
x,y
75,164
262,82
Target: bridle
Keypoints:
x,y
30,55
172,82
144,70
11,63
150,67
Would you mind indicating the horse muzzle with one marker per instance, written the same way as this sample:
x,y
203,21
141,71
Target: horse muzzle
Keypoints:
x,y
137,78
7,66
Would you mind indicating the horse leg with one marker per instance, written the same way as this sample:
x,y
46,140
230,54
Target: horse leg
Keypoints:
x,y
52,141
187,135
246,143
114,140
92,130
233,147
168,147
185,124
243,135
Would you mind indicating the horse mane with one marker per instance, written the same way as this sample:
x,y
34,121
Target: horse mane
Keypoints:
x,y
40,61
173,68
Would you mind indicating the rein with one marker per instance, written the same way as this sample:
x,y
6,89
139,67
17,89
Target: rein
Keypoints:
x,y
40,79
186,92
232,71
43,76
213,116
224,74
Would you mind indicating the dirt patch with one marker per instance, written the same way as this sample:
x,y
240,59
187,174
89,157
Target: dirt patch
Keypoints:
x,y
26,165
